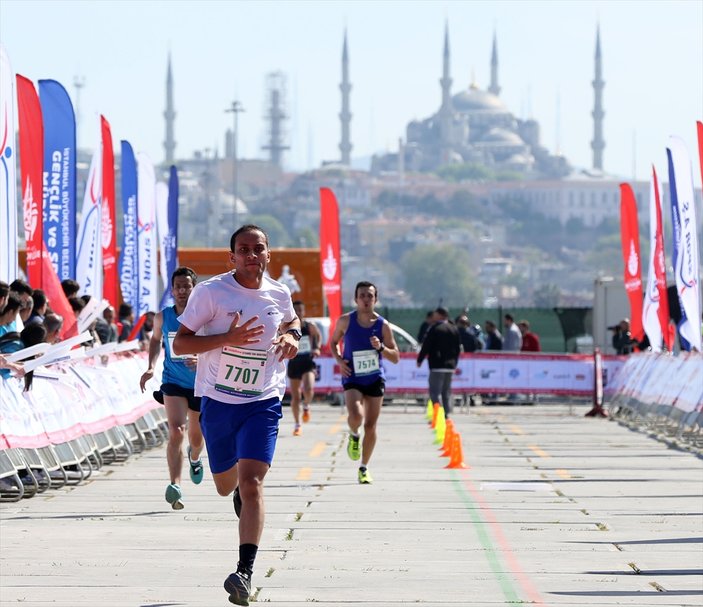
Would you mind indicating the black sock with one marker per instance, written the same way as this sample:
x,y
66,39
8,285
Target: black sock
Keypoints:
x,y
362,468
247,555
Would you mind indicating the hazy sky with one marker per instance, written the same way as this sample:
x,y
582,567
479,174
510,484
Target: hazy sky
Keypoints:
x,y
652,64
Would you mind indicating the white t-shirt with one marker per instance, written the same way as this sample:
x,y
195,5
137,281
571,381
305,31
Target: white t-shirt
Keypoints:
x,y
210,310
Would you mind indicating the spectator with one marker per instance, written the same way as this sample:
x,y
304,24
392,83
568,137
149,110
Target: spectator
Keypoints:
x,y
53,324
4,293
109,316
530,340
70,288
494,340
425,326
8,316
469,341
512,339
126,318
41,304
24,292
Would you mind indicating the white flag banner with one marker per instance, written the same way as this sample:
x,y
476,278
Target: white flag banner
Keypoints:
x,y
89,248
650,309
146,235
687,261
164,234
8,172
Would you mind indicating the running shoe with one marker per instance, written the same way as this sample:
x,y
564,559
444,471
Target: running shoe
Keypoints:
x,y
364,477
237,499
174,496
306,415
196,469
297,431
353,448
238,585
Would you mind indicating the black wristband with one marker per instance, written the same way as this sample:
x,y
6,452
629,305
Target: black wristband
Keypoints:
x,y
381,349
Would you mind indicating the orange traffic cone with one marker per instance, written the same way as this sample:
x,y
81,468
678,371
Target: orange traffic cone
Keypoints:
x,y
457,458
435,412
446,448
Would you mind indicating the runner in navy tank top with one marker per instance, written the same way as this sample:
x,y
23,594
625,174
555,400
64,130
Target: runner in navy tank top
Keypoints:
x,y
368,340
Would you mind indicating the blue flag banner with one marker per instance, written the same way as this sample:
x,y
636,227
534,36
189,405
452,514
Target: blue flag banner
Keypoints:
x,y
59,178
129,255
170,240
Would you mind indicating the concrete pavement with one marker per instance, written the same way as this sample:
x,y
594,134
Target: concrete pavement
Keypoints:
x,y
555,509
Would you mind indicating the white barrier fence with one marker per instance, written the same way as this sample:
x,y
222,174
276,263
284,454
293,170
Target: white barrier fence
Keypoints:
x,y
73,399
661,380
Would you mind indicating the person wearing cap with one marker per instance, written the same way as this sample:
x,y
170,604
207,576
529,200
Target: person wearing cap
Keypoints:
x,y
441,347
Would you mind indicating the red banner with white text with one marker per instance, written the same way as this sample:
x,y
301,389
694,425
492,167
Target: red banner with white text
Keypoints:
x,y
330,260
629,232
31,130
109,226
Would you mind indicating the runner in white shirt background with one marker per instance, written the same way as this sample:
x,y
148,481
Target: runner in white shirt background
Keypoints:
x,y
242,326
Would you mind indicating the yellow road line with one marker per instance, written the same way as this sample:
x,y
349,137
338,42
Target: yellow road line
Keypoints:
x,y
317,449
563,474
537,451
516,430
304,474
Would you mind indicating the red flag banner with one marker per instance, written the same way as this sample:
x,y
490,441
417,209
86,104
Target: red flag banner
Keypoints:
x,y
109,226
57,298
330,260
31,130
699,131
629,232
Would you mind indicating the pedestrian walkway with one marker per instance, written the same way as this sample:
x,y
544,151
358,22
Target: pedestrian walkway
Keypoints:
x,y
555,509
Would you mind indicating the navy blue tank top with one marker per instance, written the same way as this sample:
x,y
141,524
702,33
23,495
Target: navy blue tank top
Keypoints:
x,y
175,369
358,339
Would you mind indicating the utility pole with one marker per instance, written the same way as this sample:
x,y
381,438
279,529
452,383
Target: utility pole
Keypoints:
x,y
235,109
78,83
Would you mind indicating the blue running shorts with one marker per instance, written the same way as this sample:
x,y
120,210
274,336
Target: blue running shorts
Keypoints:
x,y
244,431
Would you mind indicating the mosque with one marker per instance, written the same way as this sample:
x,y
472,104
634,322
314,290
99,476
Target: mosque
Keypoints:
x,y
473,126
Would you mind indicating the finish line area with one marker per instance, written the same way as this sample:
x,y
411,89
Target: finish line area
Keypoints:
x,y
552,509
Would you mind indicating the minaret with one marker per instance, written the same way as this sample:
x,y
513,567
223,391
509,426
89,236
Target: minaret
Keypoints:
x,y
170,116
345,116
494,88
445,112
598,84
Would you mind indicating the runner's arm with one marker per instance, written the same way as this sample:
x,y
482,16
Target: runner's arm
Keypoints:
x,y
154,350
246,334
389,348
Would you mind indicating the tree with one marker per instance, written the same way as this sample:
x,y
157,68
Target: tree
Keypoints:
x,y
435,273
278,235
547,296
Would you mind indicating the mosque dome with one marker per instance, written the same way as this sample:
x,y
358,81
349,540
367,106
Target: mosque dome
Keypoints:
x,y
474,99
502,136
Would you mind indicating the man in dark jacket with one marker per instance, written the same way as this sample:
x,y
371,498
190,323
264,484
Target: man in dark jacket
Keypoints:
x,y
441,347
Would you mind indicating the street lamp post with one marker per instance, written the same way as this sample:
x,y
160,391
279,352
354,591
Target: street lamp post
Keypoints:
x,y
235,109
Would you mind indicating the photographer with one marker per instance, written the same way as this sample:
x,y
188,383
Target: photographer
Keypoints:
x,y
622,341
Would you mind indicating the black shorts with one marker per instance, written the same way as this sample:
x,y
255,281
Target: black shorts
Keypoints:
x,y
377,388
297,368
187,393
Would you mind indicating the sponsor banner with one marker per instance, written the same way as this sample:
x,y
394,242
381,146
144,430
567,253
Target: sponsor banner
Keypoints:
x,y
129,255
540,374
169,238
162,228
108,219
146,236
8,173
59,216
685,259
330,259
630,240
89,266
31,168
